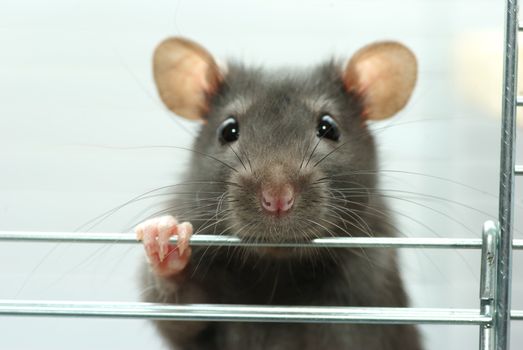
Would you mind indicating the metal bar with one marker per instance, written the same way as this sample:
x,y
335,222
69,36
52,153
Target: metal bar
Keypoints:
x,y
247,313
519,101
506,186
487,294
225,241
518,170
250,313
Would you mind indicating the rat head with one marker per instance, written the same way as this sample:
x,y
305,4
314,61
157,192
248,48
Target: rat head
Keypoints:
x,y
289,151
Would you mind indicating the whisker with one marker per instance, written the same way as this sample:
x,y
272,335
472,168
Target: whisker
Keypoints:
x,y
313,150
113,210
171,147
237,156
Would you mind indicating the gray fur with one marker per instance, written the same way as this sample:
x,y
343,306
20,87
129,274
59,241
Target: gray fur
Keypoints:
x,y
278,115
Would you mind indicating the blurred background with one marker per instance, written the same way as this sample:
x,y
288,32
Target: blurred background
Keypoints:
x,y
78,108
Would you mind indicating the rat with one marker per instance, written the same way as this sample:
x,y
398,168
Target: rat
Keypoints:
x,y
281,156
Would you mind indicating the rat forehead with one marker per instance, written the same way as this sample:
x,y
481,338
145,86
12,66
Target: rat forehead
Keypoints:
x,y
312,89
321,103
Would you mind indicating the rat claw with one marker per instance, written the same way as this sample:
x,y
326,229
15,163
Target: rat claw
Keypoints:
x,y
167,226
138,230
185,231
149,238
165,258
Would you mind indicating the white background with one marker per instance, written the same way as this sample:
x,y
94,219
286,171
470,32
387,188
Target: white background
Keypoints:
x,y
76,93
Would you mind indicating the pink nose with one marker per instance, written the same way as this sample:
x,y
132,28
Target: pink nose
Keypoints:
x,y
279,201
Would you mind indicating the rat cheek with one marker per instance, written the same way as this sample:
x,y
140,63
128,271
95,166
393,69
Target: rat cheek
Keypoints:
x,y
240,187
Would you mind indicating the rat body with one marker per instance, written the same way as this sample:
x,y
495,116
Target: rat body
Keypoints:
x,y
280,157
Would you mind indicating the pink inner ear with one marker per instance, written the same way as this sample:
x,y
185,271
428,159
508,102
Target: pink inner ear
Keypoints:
x,y
368,72
185,75
383,75
376,86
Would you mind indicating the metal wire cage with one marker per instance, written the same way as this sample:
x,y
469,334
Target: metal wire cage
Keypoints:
x,y
493,316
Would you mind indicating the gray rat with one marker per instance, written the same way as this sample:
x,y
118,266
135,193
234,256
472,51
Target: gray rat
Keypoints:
x,y
282,156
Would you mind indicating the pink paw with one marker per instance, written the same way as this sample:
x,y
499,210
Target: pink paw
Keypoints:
x,y
165,258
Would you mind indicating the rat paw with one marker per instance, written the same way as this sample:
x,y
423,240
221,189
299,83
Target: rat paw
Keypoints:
x,y
165,258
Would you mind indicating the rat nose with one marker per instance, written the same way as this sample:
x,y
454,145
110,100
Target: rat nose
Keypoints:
x,y
277,201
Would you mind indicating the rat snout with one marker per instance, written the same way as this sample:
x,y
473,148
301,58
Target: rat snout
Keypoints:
x,y
277,200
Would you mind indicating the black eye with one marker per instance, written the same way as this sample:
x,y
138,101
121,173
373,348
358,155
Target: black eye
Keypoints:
x,y
328,128
229,130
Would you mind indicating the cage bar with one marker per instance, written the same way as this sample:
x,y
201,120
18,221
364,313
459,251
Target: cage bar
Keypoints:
x,y
488,284
246,313
507,174
227,241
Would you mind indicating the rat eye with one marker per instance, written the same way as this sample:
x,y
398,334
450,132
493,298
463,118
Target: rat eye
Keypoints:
x,y
229,130
328,128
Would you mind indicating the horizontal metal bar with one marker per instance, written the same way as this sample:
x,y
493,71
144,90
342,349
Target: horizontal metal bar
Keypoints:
x,y
225,241
520,27
519,101
518,170
245,313
517,315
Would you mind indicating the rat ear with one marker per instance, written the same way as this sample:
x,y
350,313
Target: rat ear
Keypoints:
x,y
383,74
186,77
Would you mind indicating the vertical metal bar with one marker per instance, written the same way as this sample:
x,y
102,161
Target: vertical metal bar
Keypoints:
x,y
488,288
506,190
